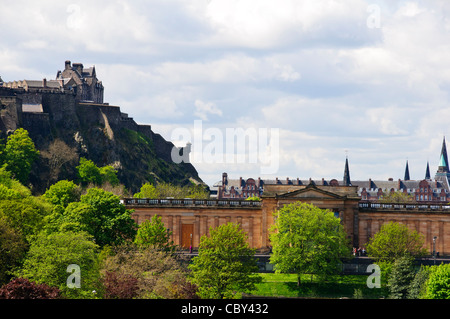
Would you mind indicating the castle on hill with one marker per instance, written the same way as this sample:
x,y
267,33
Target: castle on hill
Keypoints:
x,y
70,109
427,190
75,79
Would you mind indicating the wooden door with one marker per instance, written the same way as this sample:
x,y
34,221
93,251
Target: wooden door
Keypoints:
x,y
187,235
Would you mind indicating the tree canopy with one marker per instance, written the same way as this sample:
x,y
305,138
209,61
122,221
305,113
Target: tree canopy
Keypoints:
x,y
88,172
307,239
153,233
50,255
19,154
225,266
396,197
62,193
164,190
395,240
100,214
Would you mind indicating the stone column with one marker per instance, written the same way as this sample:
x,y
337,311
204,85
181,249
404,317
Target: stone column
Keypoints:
x,y
196,231
170,226
250,231
177,230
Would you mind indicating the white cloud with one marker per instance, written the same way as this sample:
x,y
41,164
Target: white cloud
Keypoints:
x,y
313,69
202,109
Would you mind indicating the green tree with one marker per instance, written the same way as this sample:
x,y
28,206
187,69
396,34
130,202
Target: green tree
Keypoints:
x,y
62,193
147,191
396,197
50,256
101,214
197,192
395,240
157,274
26,215
417,289
225,266
19,154
89,172
153,233
109,175
12,250
401,276
307,239
179,192
438,283
11,188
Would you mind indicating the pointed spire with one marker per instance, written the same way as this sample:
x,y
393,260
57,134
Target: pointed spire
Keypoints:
x,y
443,161
427,172
407,172
347,181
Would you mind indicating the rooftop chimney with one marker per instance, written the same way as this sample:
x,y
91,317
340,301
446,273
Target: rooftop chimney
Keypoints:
x,y
67,66
79,67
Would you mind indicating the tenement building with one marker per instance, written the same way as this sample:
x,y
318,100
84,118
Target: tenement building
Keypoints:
x,y
426,190
358,204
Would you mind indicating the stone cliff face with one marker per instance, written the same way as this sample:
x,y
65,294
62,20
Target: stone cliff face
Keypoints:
x,y
66,130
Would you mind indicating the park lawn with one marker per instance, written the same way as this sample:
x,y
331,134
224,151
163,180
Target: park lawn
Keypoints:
x,y
343,286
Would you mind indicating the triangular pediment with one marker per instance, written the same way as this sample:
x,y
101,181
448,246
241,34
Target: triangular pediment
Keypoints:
x,y
310,191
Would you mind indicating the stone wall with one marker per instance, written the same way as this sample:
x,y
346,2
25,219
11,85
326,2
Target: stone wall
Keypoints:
x,y
10,113
429,222
183,221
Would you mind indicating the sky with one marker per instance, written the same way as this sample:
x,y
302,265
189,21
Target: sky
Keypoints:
x,y
302,84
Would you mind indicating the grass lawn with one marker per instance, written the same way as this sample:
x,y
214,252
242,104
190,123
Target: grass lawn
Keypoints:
x,y
285,285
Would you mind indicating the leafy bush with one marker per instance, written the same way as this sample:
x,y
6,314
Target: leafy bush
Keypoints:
x,y
22,288
438,284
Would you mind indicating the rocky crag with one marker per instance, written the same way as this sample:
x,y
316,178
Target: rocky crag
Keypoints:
x,y
65,128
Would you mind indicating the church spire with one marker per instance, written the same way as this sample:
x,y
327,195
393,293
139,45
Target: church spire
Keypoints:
x,y
427,172
347,181
443,161
407,172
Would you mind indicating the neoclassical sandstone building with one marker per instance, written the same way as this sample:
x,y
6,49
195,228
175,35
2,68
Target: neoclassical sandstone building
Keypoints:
x,y
188,220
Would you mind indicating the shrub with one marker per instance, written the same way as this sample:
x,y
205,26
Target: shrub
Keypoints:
x,y
22,288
